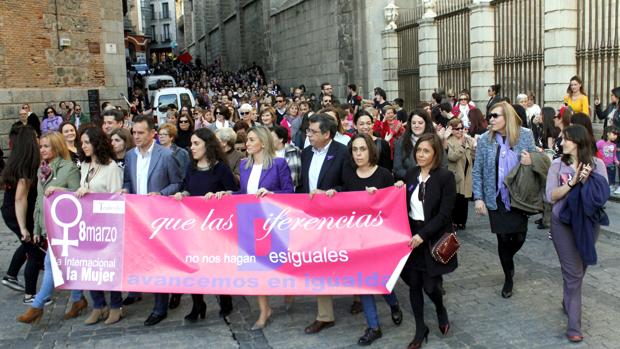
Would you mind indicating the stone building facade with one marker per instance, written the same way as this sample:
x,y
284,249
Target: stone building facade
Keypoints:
x,y
296,41
53,51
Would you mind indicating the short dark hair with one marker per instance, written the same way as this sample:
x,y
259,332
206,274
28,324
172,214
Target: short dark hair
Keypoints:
x,y
437,145
281,132
437,97
324,84
102,148
352,87
373,154
399,101
117,114
445,106
609,129
379,91
361,113
326,123
150,124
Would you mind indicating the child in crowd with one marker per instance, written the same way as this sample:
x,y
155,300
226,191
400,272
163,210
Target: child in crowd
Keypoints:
x,y
607,152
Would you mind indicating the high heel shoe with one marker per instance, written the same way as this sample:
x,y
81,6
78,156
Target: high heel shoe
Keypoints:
x,y
507,289
260,325
31,316
199,309
417,344
444,329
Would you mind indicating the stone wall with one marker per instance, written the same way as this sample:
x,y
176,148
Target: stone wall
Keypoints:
x,y
34,70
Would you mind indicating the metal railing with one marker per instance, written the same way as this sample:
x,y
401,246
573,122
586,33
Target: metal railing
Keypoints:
x,y
598,47
519,47
408,57
453,65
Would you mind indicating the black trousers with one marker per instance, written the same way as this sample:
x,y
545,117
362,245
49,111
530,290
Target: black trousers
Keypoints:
x,y
27,253
459,213
419,283
226,305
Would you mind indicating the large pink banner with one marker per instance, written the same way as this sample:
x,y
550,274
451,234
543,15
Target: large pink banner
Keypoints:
x,y
353,243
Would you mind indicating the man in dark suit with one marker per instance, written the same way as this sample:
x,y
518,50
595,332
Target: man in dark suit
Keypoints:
x,y
321,173
150,169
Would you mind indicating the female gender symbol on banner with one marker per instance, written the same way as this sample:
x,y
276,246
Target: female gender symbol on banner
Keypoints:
x,y
65,242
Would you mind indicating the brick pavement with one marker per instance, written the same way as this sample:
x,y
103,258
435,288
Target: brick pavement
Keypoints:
x,y
480,318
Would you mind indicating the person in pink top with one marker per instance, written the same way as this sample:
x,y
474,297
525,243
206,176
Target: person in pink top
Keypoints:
x,y
606,151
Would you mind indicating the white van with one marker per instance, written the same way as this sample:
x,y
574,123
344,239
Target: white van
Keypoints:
x,y
179,96
155,82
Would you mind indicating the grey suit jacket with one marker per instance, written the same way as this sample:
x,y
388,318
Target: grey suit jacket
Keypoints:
x,y
164,174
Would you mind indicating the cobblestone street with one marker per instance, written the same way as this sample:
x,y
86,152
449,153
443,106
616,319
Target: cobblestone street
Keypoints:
x,y
532,318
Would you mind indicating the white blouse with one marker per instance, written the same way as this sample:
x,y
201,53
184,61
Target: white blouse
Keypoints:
x,y
417,208
254,179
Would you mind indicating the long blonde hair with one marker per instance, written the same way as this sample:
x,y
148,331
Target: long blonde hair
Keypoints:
x,y
58,143
513,123
269,151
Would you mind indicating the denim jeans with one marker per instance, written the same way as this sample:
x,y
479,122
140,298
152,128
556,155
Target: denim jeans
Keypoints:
x,y
611,174
370,307
47,286
116,299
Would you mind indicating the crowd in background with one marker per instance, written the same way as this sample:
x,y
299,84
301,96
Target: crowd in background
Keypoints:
x,y
244,130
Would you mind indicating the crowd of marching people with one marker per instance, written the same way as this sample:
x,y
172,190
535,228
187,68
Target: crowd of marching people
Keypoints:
x,y
250,136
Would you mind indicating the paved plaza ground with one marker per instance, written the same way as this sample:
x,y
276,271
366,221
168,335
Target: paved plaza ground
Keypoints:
x,y
532,318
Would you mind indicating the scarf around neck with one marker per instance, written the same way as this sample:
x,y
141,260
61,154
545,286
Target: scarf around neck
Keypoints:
x,y
508,159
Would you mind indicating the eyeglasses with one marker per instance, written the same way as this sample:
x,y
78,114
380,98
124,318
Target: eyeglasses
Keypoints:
x,y
495,115
77,109
218,113
313,132
421,191
279,100
183,121
457,129
462,99
244,113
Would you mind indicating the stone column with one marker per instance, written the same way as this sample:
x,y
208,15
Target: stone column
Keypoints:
x,y
482,50
428,55
560,48
389,40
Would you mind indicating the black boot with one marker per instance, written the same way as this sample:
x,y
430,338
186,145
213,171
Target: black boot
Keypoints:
x,y
175,301
198,309
507,289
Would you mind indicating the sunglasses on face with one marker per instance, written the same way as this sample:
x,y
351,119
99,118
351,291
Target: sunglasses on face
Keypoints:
x,y
495,115
462,99
457,129
218,112
183,121
279,101
244,113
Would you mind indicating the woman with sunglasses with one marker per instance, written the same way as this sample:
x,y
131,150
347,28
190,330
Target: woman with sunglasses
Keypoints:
x,y
52,122
498,151
431,192
462,109
100,174
222,118
185,127
460,150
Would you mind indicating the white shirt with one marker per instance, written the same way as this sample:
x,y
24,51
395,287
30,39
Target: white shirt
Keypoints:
x,y
417,208
339,137
222,124
316,164
142,170
254,179
534,110
280,153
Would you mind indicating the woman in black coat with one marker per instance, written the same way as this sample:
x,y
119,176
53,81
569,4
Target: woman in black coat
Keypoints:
x,y
431,193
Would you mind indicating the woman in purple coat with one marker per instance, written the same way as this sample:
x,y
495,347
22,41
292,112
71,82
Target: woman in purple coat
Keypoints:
x,y
261,174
